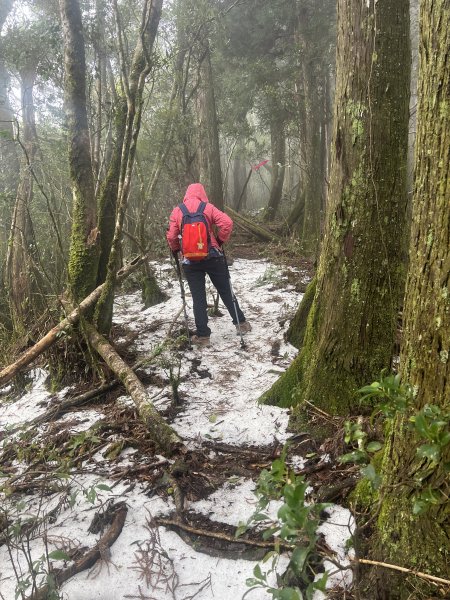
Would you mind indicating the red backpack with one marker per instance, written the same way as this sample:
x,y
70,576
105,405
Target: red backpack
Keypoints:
x,y
195,239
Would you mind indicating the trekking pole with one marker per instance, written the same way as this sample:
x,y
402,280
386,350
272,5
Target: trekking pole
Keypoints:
x,y
183,297
243,345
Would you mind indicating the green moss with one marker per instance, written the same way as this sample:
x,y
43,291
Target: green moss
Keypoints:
x,y
83,258
355,290
151,292
296,332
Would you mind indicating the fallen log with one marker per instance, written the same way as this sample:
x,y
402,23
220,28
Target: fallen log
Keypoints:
x,y
251,227
99,551
55,411
52,336
159,430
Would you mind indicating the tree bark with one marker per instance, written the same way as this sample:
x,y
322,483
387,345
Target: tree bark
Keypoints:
x,y
160,432
422,541
352,322
210,167
9,161
84,247
134,85
18,264
278,145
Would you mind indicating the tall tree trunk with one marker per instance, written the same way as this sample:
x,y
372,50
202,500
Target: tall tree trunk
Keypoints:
x,y
422,541
8,152
312,96
18,264
109,187
278,144
134,84
210,167
84,247
352,322
239,184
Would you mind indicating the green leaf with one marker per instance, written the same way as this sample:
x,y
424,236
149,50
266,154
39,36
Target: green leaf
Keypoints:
x,y
321,584
374,446
430,451
371,474
298,559
59,555
268,533
103,486
258,573
421,425
357,456
250,582
260,517
290,594
212,418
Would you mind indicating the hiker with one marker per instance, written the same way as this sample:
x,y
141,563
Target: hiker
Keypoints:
x,y
191,232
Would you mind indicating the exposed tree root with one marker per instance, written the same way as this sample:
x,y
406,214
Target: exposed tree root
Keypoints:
x,y
99,551
228,545
375,563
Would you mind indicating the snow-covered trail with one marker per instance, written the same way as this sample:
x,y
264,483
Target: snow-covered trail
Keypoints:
x,y
219,387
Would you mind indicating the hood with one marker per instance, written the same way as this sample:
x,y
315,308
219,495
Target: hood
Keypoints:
x,y
196,190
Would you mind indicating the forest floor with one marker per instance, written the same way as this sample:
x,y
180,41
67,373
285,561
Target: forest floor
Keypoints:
x,y
88,488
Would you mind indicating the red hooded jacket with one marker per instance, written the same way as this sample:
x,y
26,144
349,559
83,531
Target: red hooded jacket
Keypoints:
x,y
194,195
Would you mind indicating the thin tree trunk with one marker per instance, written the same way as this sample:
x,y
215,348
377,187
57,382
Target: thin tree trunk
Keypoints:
x,y
18,263
211,170
134,85
278,145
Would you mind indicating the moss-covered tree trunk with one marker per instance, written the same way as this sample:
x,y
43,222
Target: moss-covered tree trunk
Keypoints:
x,y
107,196
422,542
360,280
84,246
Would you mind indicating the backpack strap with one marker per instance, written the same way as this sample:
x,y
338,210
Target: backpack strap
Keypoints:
x,y
185,211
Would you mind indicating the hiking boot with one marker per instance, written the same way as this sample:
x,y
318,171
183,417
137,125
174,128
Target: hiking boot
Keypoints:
x,y
200,340
243,327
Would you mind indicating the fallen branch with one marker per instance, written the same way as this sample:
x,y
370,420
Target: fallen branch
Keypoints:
x,y
52,336
249,226
159,430
375,563
91,557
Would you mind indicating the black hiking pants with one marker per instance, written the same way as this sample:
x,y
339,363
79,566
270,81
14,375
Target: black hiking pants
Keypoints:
x,y
195,273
